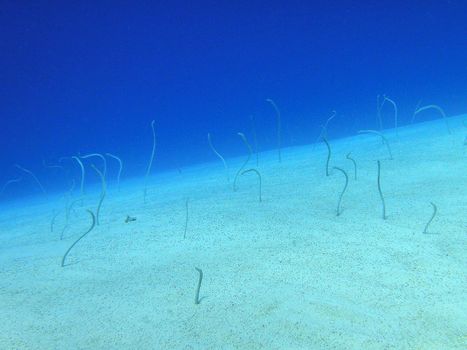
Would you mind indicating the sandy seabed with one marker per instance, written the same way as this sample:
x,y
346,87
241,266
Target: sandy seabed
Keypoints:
x,y
286,273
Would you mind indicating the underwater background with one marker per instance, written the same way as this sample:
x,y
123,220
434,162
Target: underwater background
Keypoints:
x,y
293,175
80,77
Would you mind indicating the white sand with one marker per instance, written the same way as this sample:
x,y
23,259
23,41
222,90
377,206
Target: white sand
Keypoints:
x,y
282,274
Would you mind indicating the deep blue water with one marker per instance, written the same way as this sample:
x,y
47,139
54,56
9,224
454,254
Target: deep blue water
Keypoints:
x,y
89,77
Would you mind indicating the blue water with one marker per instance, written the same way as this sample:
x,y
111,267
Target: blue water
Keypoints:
x,y
81,78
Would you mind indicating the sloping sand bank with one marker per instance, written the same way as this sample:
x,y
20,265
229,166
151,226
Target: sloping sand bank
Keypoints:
x,y
286,273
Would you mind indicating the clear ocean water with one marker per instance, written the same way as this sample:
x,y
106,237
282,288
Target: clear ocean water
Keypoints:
x,y
233,175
